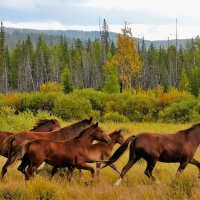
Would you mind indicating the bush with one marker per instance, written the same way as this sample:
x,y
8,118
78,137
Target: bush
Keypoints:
x,y
38,101
184,111
72,107
50,87
115,117
97,99
141,108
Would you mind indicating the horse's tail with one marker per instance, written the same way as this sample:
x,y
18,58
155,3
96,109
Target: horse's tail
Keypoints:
x,y
117,154
6,148
19,152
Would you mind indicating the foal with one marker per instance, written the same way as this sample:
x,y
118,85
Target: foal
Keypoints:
x,y
72,152
102,151
170,148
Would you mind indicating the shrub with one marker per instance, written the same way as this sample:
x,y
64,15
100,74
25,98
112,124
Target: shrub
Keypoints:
x,y
184,111
141,108
72,107
97,99
115,117
50,87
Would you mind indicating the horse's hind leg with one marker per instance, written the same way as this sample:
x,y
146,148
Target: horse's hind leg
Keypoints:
x,y
150,166
4,168
197,163
133,158
182,166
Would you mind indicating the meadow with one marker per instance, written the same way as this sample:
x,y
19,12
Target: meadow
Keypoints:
x,y
135,185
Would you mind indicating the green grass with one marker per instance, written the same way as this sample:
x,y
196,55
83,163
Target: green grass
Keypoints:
x,y
134,186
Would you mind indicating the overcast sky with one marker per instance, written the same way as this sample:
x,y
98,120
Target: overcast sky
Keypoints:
x,y
153,19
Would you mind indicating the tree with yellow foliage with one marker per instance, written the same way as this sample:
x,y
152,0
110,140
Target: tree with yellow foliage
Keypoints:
x,y
127,58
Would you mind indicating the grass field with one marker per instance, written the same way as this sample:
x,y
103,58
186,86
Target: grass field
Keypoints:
x,y
134,186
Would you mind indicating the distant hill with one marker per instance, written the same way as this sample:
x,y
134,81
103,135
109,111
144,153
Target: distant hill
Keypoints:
x,y
13,35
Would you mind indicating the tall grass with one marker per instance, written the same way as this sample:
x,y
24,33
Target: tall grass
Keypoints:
x,y
134,186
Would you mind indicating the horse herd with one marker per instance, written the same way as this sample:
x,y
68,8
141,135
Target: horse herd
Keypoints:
x,y
72,147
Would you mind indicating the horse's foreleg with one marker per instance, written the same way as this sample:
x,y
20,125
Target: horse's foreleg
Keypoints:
x,y
53,172
115,168
87,167
98,165
196,163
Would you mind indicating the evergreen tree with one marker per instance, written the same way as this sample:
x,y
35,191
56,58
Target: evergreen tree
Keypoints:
x,y
184,82
110,73
66,81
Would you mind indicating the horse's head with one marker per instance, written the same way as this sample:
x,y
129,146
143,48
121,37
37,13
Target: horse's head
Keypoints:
x,y
99,135
117,136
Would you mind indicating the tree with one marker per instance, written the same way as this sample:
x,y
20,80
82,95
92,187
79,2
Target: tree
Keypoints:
x,y
127,58
110,74
66,81
3,64
184,82
104,41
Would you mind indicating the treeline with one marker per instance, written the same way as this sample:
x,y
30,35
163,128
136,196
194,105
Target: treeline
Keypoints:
x,y
98,64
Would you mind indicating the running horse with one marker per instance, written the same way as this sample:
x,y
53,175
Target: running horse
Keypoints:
x,y
179,147
100,151
59,154
65,133
41,126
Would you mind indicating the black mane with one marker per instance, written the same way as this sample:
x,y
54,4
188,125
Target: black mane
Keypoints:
x,y
41,122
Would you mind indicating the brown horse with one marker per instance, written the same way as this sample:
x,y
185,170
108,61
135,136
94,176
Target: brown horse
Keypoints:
x,y
42,125
100,151
60,154
65,133
171,148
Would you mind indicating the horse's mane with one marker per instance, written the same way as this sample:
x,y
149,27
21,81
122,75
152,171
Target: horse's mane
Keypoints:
x,y
190,128
81,133
41,122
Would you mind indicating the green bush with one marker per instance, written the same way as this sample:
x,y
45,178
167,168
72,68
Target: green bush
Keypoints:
x,y
38,101
115,117
72,107
184,111
141,108
97,99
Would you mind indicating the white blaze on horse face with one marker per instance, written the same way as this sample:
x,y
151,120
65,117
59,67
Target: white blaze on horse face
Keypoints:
x,y
41,166
117,183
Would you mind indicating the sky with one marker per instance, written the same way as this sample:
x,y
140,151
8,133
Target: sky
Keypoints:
x,y
151,19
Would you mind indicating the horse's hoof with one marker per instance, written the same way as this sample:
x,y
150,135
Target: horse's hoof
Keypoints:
x,y
88,183
117,183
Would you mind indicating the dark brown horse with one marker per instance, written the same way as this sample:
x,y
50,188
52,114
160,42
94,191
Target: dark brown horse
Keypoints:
x,y
171,148
42,125
59,154
65,133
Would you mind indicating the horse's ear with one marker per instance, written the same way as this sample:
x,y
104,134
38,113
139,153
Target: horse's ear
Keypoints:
x,y
96,125
90,120
120,131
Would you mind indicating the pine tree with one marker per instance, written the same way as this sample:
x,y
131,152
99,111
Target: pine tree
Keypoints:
x,y
184,82
110,74
66,81
104,41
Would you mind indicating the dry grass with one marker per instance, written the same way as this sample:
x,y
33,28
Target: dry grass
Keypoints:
x,y
134,186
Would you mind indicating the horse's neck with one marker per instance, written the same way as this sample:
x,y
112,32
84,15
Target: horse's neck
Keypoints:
x,y
194,136
87,138
112,142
